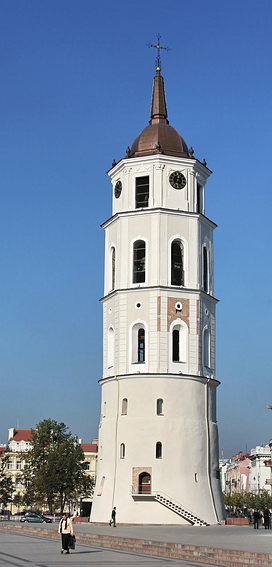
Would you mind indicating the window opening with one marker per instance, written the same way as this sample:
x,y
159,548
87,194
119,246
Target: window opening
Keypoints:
x,y
110,347
100,490
175,343
199,199
158,450
113,268
205,269
141,345
124,406
206,339
142,192
139,262
177,272
159,406
122,451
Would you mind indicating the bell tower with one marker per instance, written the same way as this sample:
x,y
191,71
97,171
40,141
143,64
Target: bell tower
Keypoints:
x,y
158,440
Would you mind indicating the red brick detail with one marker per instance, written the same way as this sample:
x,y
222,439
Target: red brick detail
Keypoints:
x,y
172,312
237,521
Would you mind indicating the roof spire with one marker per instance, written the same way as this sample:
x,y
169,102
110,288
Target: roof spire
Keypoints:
x,y
158,112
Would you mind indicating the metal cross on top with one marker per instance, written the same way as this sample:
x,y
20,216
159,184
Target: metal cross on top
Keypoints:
x,y
158,47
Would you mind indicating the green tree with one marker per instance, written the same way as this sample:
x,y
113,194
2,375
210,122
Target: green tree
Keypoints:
x,y
6,484
249,500
17,500
54,473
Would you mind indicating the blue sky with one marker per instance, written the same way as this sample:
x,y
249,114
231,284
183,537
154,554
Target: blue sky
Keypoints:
x,y
76,88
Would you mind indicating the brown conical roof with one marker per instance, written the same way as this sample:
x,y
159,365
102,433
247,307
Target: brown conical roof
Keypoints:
x,y
159,137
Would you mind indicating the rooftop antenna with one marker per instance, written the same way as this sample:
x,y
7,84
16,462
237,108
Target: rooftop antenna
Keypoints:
x,y
158,46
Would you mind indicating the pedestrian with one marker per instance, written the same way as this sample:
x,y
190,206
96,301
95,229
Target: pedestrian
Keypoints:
x,y
66,531
256,519
266,519
113,517
75,514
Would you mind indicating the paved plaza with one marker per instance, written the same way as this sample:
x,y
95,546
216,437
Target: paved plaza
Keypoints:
x,y
28,551
31,545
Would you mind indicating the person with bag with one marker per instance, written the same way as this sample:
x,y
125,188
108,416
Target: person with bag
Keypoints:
x,y
66,531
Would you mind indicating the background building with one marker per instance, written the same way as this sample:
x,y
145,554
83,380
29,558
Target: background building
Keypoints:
x,y
258,471
19,443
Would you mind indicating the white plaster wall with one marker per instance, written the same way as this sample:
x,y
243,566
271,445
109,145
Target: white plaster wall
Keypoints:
x,y
158,230
188,434
121,313
161,193
188,429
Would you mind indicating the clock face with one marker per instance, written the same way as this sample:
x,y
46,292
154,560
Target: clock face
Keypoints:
x,y
177,180
118,189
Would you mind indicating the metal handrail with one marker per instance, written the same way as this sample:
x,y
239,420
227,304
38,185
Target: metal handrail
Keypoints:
x,y
155,493
160,493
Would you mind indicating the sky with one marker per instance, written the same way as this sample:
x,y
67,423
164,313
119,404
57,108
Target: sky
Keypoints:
x,y
76,89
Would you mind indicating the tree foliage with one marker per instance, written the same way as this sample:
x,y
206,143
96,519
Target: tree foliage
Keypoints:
x,y
248,500
6,483
54,473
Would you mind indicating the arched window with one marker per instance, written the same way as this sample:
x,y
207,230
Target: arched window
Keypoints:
x,y
110,347
159,406
207,348
124,406
141,345
179,342
175,345
158,450
177,272
112,268
139,261
205,269
100,489
142,192
200,199
122,451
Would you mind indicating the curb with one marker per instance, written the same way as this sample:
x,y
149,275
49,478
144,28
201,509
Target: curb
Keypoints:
x,y
193,553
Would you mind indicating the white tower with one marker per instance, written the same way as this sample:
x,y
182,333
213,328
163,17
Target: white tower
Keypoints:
x,y
158,441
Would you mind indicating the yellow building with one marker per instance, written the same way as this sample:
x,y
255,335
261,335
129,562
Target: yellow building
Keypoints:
x,y
19,444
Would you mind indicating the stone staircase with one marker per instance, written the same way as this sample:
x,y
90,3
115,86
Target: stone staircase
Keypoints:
x,y
179,509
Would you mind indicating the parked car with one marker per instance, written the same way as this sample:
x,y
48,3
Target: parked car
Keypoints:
x,y
35,518
46,519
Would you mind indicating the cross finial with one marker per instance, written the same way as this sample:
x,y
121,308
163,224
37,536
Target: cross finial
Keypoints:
x,y
158,46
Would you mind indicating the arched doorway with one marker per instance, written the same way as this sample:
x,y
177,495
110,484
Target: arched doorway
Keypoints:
x,y
144,483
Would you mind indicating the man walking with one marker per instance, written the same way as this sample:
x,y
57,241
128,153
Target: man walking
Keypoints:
x,y
113,517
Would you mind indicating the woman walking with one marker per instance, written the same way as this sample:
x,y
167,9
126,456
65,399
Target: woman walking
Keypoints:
x,y
66,530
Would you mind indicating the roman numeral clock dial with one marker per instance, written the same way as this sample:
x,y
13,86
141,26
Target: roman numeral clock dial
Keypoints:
x,y
177,180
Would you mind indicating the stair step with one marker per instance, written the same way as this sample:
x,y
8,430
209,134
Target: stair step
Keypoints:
x,y
181,511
